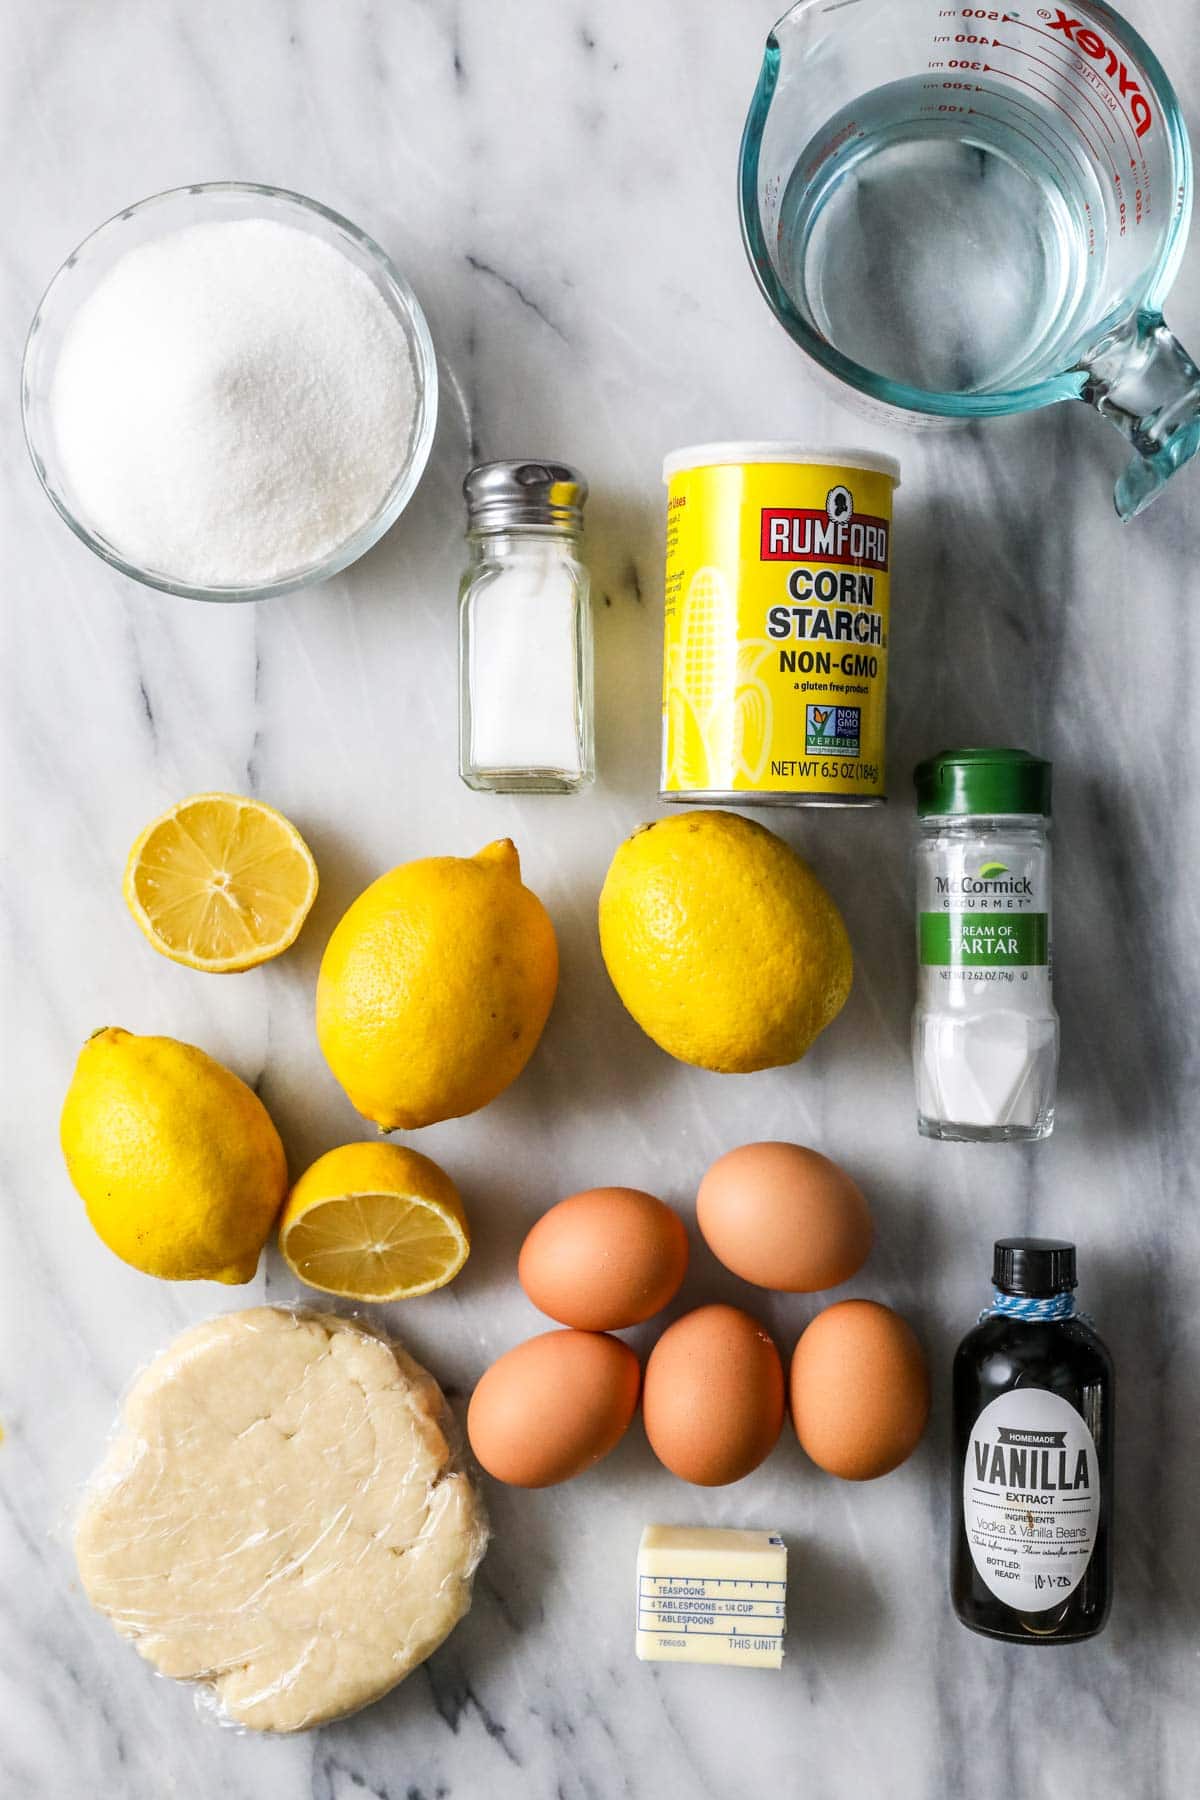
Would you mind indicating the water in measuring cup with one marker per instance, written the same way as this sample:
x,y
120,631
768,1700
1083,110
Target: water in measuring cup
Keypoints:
x,y
959,251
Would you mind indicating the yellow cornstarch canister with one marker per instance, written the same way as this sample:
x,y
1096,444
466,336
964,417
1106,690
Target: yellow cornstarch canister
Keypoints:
x,y
776,637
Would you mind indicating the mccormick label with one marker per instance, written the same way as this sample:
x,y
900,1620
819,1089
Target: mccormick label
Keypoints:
x,y
776,631
985,917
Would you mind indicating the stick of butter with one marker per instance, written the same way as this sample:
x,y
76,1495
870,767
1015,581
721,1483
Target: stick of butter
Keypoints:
x,y
706,1595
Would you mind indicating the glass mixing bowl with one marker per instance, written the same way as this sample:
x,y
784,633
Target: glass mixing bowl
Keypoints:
x,y
154,218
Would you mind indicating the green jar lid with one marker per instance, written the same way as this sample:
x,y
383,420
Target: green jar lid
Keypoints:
x,y
984,782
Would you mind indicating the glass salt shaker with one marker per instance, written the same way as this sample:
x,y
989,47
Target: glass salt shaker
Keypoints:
x,y
525,632
985,1032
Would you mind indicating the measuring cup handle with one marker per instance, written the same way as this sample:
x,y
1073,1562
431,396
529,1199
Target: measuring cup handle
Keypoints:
x,y
1143,379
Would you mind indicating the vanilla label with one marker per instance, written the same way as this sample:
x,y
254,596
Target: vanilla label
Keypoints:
x,y
1031,1498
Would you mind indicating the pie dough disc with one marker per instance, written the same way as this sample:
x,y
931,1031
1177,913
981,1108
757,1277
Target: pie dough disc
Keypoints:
x,y
278,1517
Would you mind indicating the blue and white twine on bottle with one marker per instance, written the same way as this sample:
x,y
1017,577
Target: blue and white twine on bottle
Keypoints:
x,y
1026,1306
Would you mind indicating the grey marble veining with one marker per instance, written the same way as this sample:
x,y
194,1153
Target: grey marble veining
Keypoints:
x,y
558,183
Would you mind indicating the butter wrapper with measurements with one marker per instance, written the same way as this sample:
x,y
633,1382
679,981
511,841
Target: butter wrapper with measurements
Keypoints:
x,y
708,1595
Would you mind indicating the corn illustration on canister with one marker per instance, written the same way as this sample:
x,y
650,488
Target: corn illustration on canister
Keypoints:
x,y
777,624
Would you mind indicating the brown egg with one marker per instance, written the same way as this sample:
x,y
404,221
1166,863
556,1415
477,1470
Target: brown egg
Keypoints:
x,y
713,1399
784,1217
859,1390
552,1407
604,1259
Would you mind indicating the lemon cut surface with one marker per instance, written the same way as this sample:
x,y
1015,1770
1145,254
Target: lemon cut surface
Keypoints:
x,y
374,1222
220,883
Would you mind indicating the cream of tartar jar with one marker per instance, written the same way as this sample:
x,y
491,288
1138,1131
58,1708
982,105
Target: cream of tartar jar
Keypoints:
x,y
776,624
985,1031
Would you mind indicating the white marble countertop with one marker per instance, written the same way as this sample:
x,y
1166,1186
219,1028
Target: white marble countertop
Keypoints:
x,y
558,183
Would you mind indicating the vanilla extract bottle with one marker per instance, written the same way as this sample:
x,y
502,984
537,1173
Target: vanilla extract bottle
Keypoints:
x,y
1033,1456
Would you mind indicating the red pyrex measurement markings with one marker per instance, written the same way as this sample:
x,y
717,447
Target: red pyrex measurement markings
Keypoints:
x,y
1051,99
1058,70
1077,64
1132,92
1008,126
1007,74
1080,92
1076,67
1011,100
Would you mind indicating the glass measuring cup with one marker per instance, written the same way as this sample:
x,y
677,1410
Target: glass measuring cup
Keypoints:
x,y
967,211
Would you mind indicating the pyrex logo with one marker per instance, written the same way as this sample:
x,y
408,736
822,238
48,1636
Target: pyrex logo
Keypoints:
x,y
1092,44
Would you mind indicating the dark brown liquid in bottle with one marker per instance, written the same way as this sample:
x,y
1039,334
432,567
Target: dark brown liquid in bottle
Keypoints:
x,y
1037,1480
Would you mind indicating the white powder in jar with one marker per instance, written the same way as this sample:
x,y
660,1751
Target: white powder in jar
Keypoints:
x,y
232,402
991,1071
523,667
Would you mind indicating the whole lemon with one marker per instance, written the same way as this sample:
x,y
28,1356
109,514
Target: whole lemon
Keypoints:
x,y
177,1161
435,986
722,943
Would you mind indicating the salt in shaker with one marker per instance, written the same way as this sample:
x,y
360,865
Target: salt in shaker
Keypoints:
x,y
525,634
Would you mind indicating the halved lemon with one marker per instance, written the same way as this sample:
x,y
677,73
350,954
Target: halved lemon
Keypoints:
x,y
374,1222
220,883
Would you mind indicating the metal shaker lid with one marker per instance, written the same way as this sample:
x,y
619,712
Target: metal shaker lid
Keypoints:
x,y
500,495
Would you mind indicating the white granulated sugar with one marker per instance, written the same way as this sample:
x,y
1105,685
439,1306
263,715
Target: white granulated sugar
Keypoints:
x,y
232,403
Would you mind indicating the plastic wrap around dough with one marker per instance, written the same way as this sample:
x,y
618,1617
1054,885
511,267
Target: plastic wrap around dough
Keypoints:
x,y
278,1517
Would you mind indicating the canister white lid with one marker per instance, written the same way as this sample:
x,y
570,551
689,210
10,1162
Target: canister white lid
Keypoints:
x,y
707,456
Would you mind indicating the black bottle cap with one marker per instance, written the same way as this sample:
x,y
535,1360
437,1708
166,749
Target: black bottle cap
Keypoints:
x,y
1037,1267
